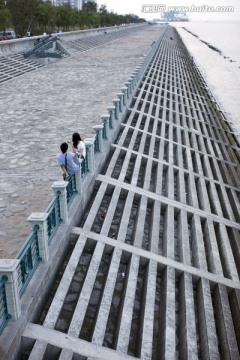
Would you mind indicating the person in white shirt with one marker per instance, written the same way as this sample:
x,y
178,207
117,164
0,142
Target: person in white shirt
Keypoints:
x,y
78,146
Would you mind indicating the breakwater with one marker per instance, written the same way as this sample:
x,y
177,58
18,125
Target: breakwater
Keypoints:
x,y
154,270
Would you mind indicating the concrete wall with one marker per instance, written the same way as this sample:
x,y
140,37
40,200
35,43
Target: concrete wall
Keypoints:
x,y
9,47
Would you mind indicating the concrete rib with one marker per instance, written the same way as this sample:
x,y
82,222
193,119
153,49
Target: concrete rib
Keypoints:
x,y
148,315
81,307
57,303
67,342
66,354
124,327
104,307
111,210
187,319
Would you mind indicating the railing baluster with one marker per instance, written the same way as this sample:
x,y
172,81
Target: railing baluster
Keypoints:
x,y
54,216
4,316
29,260
105,121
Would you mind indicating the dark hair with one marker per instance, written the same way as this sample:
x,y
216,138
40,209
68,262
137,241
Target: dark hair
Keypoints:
x,y
75,139
64,147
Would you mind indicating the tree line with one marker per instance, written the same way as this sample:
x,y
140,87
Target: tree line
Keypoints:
x,y
37,16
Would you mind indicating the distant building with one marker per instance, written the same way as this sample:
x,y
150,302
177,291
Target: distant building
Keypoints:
x,y
174,16
76,4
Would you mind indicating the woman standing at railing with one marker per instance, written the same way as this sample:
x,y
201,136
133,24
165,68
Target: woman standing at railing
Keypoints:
x,y
78,146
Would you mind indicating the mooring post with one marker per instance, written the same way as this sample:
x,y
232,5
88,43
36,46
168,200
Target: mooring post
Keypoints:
x,y
61,186
124,91
116,102
138,72
136,75
9,268
130,81
40,219
99,130
111,110
128,85
105,122
120,96
89,143
133,79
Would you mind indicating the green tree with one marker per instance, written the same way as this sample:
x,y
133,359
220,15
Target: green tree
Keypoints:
x,y
103,9
131,18
46,16
66,17
90,6
23,14
28,15
5,19
82,19
93,19
75,19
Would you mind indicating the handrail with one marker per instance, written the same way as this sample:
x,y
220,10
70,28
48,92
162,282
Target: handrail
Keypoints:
x,y
104,131
96,143
54,216
36,47
4,316
29,260
84,165
71,188
40,50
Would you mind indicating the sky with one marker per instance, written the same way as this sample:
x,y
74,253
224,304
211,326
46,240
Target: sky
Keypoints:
x,y
199,10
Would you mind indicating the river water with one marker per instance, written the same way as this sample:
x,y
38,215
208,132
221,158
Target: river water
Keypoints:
x,y
219,66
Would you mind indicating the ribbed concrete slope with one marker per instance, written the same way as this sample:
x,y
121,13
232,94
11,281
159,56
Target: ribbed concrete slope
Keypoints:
x,y
15,65
104,37
155,271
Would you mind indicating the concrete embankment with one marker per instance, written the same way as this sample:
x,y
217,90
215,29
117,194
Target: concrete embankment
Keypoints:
x,y
154,268
23,44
